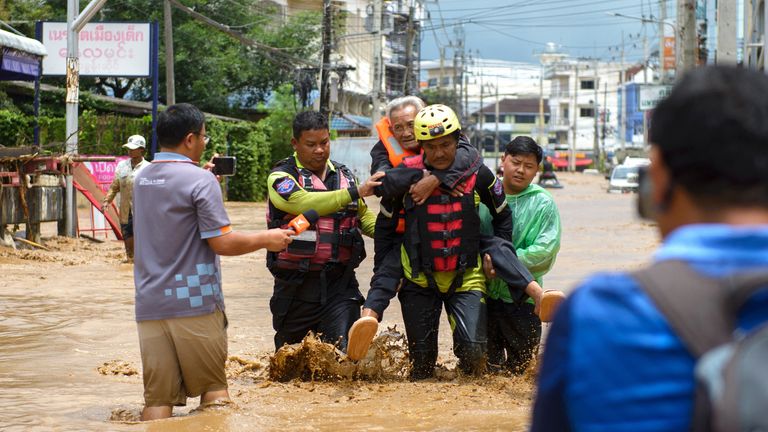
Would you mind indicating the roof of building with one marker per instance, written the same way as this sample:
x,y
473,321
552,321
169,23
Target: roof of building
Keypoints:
x,y
516,106
349,122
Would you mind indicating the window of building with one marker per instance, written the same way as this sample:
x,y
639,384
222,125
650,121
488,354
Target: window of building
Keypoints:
x,y
432,82
446,81
587,85
525,118
490,118
586,112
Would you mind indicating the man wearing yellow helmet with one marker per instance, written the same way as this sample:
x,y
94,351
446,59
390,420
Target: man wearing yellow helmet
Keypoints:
x,y
440,254
397,141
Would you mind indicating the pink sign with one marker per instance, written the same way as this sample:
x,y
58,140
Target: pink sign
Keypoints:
x,y
105,49
104,172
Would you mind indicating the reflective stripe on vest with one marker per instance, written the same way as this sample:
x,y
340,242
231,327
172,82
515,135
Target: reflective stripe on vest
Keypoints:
x,y
444,218
395,151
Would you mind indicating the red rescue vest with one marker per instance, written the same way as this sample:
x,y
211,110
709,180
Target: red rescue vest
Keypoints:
x,y
334,232
443,234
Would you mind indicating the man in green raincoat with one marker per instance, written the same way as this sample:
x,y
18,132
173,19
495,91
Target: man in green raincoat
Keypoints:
x,y
514,330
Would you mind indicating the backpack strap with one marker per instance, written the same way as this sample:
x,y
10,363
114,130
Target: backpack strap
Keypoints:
x,y
742,286
702,311
693,304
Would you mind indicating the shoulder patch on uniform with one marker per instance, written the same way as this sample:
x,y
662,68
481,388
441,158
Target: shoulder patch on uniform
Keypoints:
x,y
498,188
285,185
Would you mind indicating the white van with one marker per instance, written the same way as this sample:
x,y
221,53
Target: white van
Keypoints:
x,y
624,179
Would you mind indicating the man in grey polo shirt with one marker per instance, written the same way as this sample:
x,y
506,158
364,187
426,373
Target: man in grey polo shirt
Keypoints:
x,y
181,227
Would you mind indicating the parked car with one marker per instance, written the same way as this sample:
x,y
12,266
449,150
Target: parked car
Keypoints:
x,y
624,179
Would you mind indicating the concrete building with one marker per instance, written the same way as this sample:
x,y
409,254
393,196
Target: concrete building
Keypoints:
x,y
482,80
516,117
353,53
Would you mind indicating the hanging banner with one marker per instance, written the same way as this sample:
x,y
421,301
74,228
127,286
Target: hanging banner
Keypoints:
x,y
105,49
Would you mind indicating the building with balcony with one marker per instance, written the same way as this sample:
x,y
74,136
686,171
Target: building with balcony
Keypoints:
x,y
481,80
516,117
353,56
582,101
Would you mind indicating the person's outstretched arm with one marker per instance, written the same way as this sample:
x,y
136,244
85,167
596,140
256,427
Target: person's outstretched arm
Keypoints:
x,y
234,243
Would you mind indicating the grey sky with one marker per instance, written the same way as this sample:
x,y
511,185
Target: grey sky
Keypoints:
x,y
516,30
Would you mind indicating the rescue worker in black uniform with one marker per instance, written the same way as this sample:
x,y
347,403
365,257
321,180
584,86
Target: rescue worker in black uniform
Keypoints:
x,y
397,141
440,255
315,286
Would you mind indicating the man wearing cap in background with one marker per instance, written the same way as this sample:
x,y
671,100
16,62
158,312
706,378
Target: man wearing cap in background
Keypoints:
x,y
123,183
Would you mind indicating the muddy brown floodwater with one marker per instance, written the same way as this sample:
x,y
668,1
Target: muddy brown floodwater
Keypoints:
x,y
69,354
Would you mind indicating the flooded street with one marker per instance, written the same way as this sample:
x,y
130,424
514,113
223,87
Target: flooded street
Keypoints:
x,y
68,312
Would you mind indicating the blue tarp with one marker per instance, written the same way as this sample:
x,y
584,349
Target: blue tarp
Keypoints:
x,y
17,65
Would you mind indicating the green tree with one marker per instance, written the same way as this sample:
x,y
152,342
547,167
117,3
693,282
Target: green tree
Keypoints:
x,y
277,127
213,70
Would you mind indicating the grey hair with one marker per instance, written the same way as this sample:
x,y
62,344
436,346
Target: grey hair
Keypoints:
x,y
402,102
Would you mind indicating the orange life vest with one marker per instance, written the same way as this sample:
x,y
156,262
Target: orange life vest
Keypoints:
x,y
396,154
395,151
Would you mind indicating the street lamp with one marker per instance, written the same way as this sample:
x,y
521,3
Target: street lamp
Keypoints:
x,y
661,45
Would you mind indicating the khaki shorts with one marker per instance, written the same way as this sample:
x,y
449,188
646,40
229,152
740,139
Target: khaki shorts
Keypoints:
x,y
183,357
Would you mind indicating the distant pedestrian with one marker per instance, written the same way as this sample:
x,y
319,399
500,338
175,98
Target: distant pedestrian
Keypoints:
x,y
548,178
125,172
181,229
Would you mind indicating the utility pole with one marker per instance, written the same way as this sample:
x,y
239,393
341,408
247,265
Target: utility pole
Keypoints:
x,y
605,110
686,37
623,120
541,106
441,71
596,113
496,137
170,85
76,20
645,83
326,59
662,40
576,113
481,116
410,34
377,60
455,80
465,109
726,33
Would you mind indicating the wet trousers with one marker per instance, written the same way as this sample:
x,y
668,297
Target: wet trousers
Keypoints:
x,y
300,304
514,333
387,267
466,311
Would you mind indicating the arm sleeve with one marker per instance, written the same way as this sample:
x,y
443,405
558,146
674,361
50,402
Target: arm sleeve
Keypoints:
x,y
397,181
114,188
540,255
491,193
467,161
367,218
379,158
286,194
212,219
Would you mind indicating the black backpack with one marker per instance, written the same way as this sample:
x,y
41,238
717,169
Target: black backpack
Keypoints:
x,y
732,366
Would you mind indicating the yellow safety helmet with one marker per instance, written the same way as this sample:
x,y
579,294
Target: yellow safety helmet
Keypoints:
x,y
435,121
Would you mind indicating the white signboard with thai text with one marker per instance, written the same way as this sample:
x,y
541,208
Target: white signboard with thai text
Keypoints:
x,y
651,95
105,49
